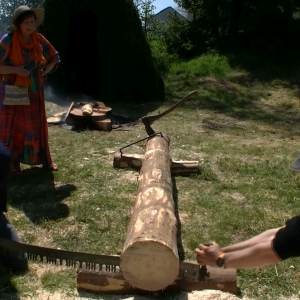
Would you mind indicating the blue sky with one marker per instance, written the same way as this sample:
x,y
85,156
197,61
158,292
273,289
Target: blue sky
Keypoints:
x,y
161,4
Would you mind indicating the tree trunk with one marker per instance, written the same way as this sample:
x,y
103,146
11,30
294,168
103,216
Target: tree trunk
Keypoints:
x,y
149,260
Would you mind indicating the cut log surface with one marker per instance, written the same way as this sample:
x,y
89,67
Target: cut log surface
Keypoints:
x,y
135,161
149,260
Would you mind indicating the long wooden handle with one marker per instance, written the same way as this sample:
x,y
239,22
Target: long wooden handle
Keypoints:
x,y
154,118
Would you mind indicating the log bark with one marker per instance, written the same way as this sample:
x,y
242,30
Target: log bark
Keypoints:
x,y
115,283
149,260
135,161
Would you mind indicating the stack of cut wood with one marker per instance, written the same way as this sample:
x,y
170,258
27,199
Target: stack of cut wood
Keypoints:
x,y
96,113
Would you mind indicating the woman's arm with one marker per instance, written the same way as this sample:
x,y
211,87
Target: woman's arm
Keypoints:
x,y
20,70
48,68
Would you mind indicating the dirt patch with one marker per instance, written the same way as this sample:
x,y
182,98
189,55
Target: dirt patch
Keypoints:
x,y
238,196
183,217
41,269
218,84
129,176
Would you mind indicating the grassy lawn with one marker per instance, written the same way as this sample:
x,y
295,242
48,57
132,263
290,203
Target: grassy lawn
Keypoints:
x,y
244,130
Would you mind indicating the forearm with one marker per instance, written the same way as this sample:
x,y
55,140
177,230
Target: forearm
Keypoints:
x,y
256,256
263,237
50,66
5,70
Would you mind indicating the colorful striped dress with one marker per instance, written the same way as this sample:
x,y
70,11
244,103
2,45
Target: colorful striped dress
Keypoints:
x,y
24,129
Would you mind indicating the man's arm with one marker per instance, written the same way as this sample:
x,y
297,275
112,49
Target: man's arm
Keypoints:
x,y
255,256
261,238
267,248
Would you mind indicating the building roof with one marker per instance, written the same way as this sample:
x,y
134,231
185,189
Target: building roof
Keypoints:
x,y
163,15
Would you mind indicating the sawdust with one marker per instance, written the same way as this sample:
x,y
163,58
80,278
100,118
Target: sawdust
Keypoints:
x,y
183,217
197,295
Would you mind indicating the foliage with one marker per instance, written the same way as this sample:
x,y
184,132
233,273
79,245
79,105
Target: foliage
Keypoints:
x,y
205,65
162,59
238,25
145,9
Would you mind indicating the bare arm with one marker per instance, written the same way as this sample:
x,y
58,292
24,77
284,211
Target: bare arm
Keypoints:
x,y
5,70
48,68
258,255
263,237
20,70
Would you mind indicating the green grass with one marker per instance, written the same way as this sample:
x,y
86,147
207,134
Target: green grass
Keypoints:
x,y
244,131
206,65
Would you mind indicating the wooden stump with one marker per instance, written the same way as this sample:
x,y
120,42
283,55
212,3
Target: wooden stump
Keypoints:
x,y
149,260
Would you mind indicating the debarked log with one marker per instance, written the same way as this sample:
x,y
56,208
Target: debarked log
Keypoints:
x,y
135,161
149,260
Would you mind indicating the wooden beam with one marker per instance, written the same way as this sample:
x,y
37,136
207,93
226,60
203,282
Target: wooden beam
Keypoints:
x,y
135,161
149,260
115,283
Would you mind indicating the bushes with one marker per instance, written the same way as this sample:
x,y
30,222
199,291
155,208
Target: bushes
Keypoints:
x,y
162,59
205,65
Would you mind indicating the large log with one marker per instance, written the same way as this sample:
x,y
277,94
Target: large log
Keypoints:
x,y
149,260
135,161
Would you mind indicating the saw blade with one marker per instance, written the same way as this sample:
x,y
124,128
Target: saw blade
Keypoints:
x,y
95,262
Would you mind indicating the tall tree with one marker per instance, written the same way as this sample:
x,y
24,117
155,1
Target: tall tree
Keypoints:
x,y
146,9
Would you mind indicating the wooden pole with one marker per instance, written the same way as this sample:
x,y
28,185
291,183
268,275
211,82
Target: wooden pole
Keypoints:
x,y
135,161
149,260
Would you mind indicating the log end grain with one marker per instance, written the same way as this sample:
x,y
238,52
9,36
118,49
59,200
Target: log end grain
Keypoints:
x,y
149,265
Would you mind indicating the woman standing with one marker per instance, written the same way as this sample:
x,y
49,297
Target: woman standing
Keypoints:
x,y
25,57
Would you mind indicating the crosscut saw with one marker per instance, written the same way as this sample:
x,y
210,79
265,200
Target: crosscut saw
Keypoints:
x,y
188,270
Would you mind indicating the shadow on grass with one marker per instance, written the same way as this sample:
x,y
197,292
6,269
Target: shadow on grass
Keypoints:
x,y
7,287
34,192
243,105
268,68
179,237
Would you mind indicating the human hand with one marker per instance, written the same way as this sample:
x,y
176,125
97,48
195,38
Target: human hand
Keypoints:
x,y
207,254
45,71
21,71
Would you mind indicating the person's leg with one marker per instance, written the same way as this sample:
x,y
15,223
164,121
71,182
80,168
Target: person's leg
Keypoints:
x,y
17,263
4,172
